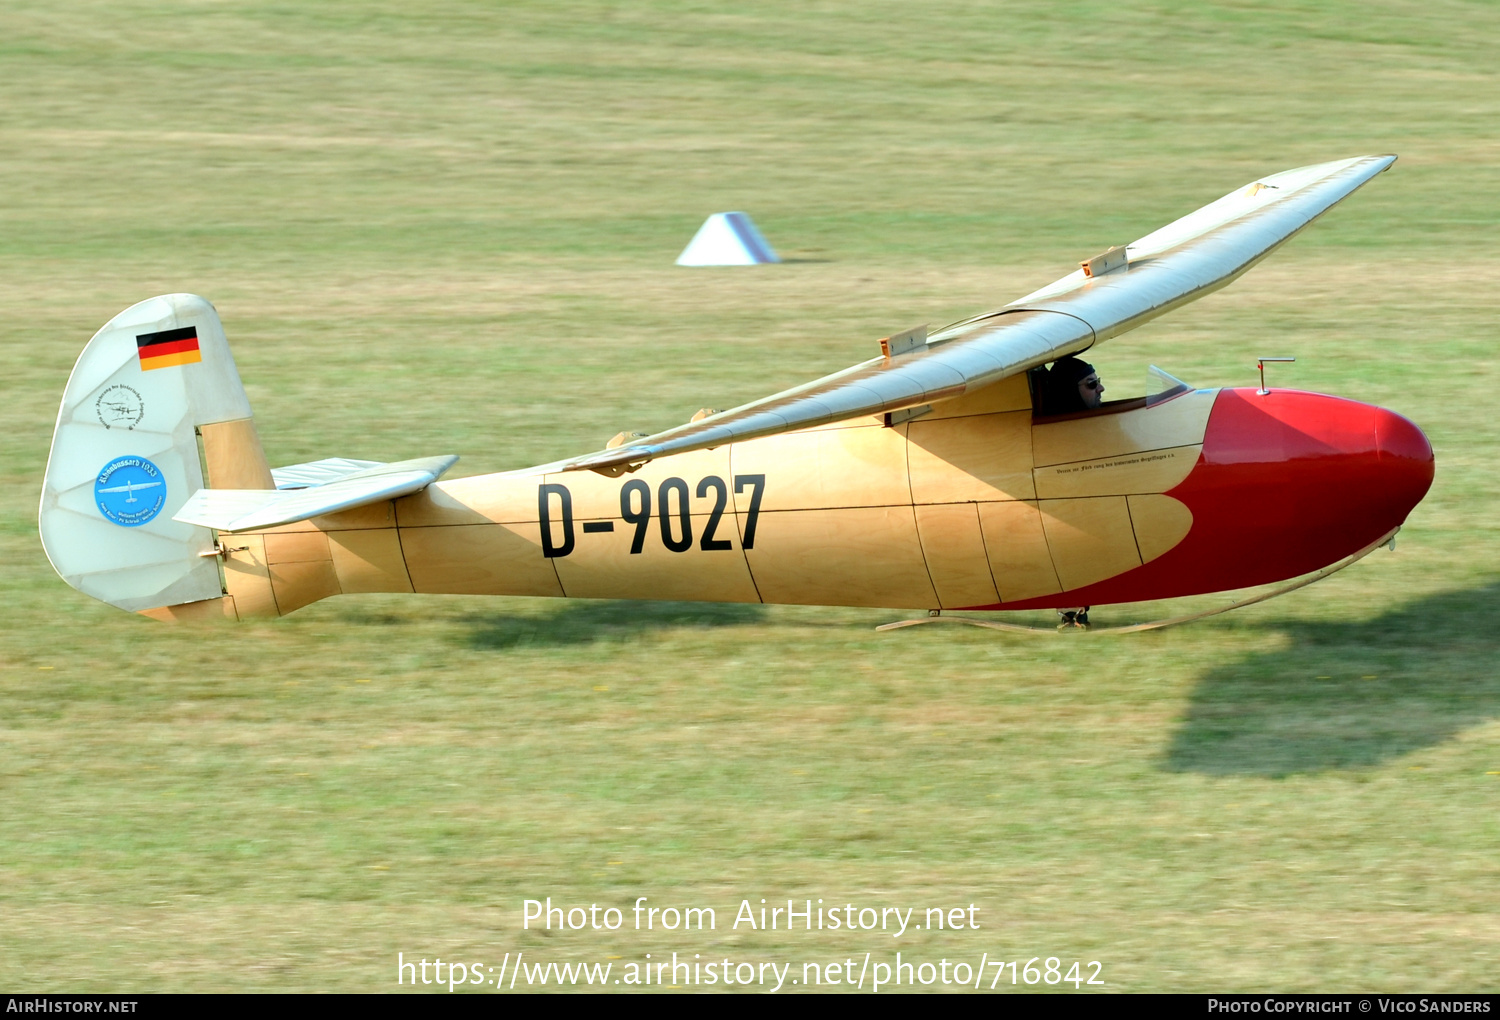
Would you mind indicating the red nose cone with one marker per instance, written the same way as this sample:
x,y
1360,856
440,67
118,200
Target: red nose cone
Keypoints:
x,y
1287,483
1405,458
1299,480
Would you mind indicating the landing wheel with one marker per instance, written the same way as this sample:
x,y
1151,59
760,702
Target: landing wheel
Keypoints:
x,y
1073,619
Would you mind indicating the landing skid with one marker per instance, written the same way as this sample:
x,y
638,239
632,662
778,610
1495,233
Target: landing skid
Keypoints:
x,y
935,615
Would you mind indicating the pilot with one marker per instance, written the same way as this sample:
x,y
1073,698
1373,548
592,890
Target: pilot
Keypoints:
x,y
1073,385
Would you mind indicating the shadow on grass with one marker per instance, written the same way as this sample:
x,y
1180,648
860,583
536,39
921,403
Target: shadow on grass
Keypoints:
x,y
1313,705
585,622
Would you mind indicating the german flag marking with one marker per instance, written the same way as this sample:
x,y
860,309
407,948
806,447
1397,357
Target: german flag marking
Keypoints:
x,y
168,347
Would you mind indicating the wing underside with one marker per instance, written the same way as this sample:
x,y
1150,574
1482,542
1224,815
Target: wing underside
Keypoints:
x,y
1120,290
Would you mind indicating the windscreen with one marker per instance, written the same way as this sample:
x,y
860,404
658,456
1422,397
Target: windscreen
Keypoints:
x,y
1162,385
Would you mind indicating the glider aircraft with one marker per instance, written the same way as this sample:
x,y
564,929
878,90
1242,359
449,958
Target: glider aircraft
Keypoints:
x,y
927,477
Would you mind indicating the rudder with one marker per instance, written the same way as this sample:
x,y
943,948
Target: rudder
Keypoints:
x,y
125,458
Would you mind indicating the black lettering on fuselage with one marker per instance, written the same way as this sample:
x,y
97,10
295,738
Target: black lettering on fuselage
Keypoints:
x,y
721,498
673,514
641,517
664,505
544,515
757,485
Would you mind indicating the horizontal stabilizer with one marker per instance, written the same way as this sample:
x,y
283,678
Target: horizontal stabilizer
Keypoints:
x,y
250,509
319,472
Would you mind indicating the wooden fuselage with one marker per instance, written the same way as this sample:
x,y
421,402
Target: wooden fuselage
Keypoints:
x,y
974,505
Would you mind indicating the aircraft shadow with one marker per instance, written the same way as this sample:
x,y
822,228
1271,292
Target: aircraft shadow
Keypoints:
x,y
1313,706
587,621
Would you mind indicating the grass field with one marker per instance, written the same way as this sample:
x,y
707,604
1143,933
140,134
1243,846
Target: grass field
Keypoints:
x,y
453,231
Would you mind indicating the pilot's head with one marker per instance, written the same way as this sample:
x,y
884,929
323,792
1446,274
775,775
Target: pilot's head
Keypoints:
x,y
1072,374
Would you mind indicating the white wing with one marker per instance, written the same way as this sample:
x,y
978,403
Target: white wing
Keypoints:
x,y
1181,262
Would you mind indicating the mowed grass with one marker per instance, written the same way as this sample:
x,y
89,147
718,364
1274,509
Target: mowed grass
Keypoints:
x,y
452,231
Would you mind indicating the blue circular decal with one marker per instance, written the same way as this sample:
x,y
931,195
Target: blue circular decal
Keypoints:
x,y
130,491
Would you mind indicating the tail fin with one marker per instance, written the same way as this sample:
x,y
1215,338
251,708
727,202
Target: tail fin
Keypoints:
x,y
125,458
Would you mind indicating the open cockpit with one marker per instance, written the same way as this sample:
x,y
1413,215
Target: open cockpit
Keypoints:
x,y
1161,386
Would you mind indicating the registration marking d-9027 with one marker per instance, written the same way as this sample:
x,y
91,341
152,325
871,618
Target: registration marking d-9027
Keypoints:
x,y
673,516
